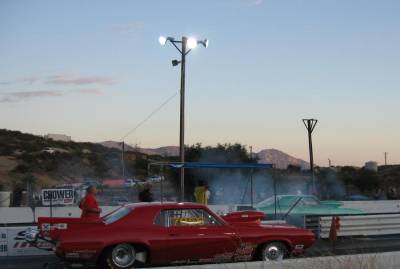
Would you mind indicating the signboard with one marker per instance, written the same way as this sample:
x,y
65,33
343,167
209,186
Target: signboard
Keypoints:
x,y
3,242
57,197
17,246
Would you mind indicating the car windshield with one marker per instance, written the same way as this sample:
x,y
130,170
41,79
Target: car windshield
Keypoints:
x,y
288,201
309,201
269,202
116,215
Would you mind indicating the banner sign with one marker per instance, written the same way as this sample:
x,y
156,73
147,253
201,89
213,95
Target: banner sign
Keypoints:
x,y
3,242
17,246
57,197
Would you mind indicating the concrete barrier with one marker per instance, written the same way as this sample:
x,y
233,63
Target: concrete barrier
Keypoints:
x,y
362,225
3,242
16,215
12,243
17,246
388,260
67,211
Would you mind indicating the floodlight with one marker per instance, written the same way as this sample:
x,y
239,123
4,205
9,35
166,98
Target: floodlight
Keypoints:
x,y
205,43
162,40
191,43
175,62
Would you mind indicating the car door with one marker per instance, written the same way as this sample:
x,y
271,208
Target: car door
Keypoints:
x,y
197,236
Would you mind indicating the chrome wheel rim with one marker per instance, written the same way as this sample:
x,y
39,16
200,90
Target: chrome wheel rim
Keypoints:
x,y
273,253
123,255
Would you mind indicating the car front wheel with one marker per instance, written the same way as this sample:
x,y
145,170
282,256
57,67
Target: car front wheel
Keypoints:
x,y
274,251
124,256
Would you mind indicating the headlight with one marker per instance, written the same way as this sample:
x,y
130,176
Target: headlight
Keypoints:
x,y
31,235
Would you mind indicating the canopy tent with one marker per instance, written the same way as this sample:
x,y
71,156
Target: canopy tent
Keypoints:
x,y
192,165
218,165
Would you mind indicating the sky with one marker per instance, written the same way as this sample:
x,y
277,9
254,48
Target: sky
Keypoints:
x,y
94,70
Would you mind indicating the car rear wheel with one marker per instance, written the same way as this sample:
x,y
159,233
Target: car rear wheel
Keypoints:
x,y
124,256
274,251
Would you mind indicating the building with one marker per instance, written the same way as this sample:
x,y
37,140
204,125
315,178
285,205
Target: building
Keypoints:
x,y
58,137
135,155
372,166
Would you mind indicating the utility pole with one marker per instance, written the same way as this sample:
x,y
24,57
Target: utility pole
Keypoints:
x,y
251,178
123,159
330,163
182,119
310,125
386,154
187,44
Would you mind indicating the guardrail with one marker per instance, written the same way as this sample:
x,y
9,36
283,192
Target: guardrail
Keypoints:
x,y
368,224
15,215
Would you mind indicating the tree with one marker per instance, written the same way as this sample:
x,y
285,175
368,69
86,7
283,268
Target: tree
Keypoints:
x,y
347,175
223,153
366,180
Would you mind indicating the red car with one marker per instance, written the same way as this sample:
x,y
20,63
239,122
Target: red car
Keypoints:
x,y
146,234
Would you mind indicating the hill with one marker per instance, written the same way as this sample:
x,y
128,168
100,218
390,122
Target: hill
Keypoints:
x,y
280,159
53,162
168,151
277,157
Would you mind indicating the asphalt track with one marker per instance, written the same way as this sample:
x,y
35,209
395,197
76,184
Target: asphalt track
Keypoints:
x,y
320,248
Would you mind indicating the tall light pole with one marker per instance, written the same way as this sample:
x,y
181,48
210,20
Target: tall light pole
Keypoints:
x,y
187,44
386,154
310,125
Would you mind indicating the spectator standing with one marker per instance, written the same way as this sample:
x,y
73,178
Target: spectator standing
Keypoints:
x,y
201,193
89,206
145,195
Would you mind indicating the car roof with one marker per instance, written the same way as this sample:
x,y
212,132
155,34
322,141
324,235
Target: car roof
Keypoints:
x,y
165,205
295,195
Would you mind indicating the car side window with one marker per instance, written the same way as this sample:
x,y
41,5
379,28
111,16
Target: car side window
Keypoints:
x,y
185,217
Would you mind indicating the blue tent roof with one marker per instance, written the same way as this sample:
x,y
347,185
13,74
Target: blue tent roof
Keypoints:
x,y
192,165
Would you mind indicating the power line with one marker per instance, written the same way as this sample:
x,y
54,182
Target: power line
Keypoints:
x,y
150,115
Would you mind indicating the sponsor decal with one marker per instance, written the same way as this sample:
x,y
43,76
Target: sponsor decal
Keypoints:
x,y
51,226
298,247
57,196
245,249
3,248
184,221
72,255
223,257
46,227
17,246
82,253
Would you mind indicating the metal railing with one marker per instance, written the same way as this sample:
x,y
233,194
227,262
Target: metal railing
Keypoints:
x,y
364,224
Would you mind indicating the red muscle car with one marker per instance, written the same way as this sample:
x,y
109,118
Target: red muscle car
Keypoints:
x,y
147,234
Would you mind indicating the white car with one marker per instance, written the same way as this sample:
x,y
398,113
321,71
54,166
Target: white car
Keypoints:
x,y
129,183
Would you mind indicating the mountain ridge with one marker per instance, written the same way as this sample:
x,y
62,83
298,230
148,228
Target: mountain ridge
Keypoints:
x,y
279,158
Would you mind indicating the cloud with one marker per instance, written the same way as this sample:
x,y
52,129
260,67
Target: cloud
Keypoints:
x,y
12,97
29,80
26,80
19,96
91,91
75,80
63,80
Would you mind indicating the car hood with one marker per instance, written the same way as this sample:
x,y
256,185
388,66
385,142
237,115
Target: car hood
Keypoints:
x,y
316,210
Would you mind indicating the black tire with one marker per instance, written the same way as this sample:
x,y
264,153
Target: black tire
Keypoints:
x,y
124,256
274,251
